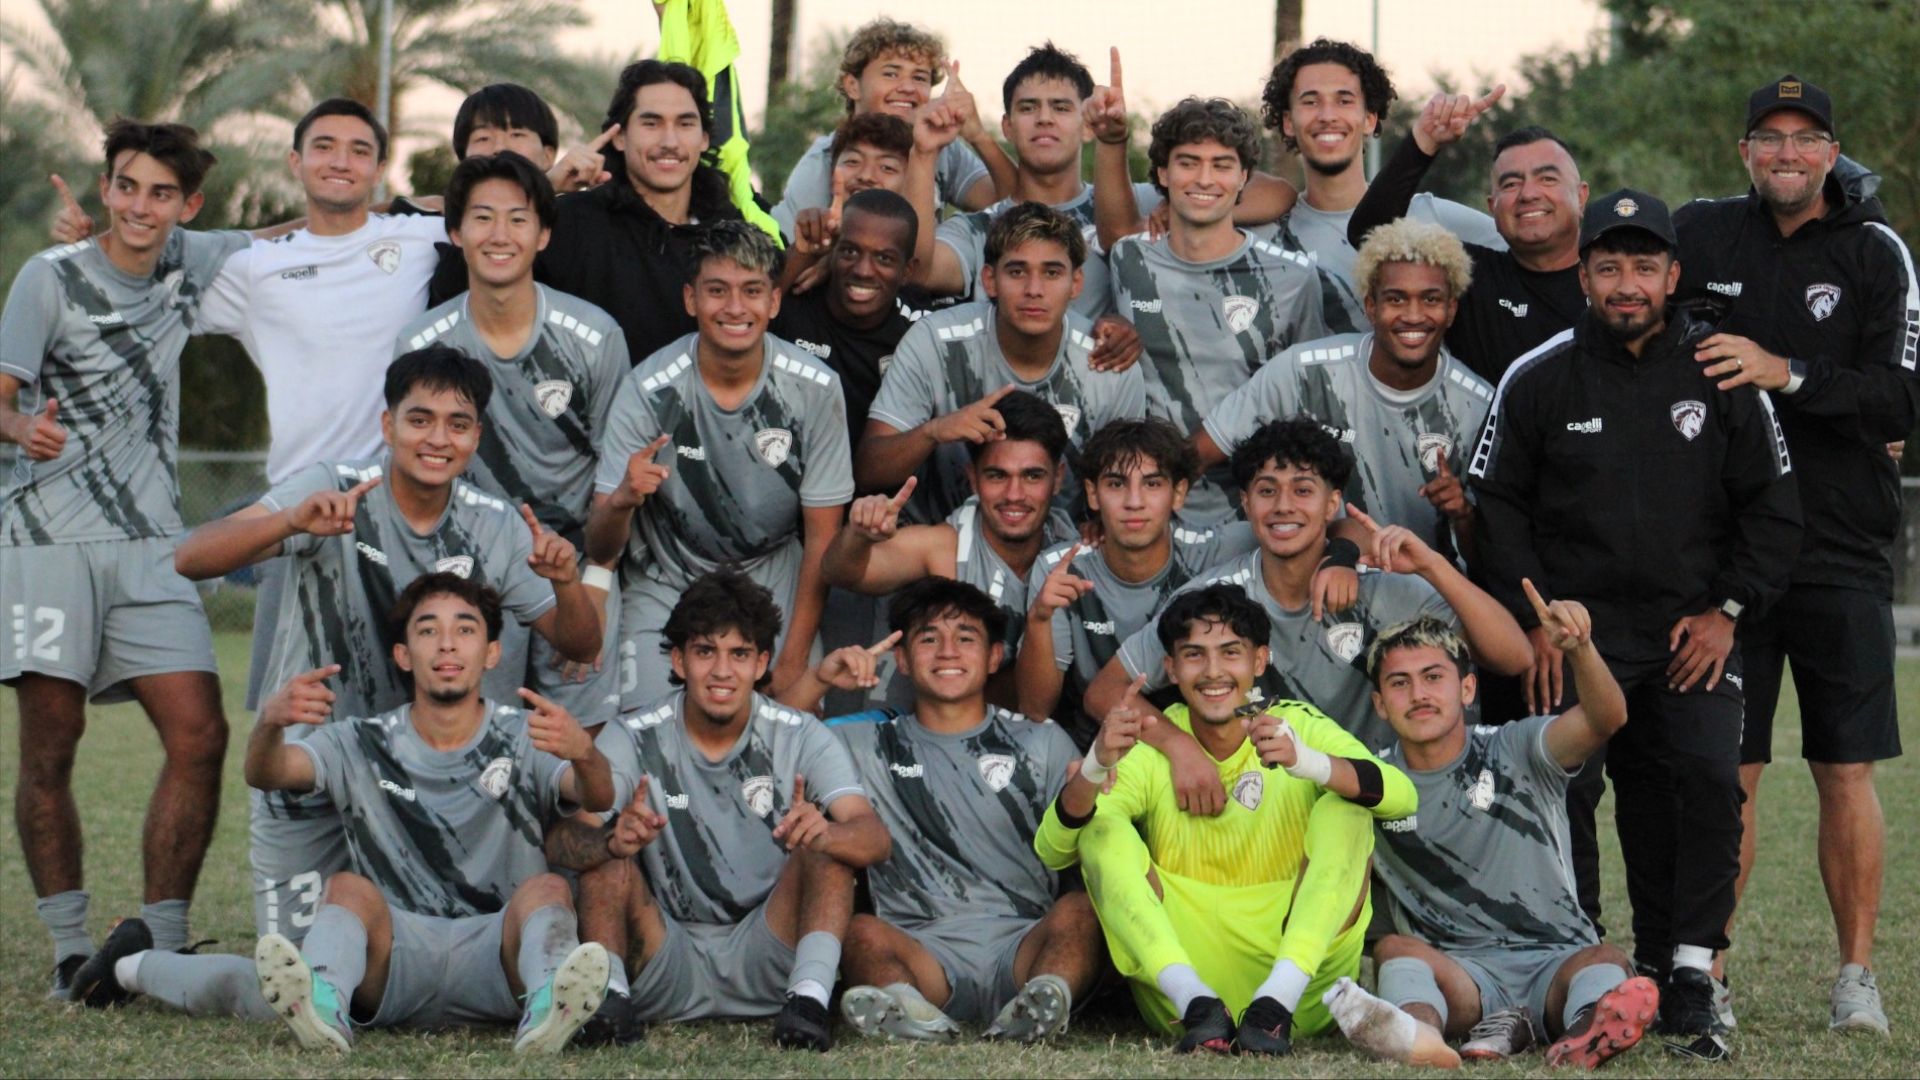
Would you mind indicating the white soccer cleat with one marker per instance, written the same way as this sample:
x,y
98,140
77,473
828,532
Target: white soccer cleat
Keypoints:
x,y
567,1001
896,1012
1039,1011
310,1005
1386,1032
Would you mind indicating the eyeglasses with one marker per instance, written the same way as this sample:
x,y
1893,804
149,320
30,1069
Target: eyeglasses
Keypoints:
x,y
1807,142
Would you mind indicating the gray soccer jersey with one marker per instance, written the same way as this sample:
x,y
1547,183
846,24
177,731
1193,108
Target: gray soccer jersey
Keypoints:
x,y
966,236
1207,327
1397,439
1319,661
962,810
441,832
717,860
550,401
1486,863
106,346
952,358
1322,236
810,184
738,477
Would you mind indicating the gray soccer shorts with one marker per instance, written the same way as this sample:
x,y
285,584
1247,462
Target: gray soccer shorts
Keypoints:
x,y
100,614
292,858
1516,978
445,972
709,972
977,953
270,587
645,603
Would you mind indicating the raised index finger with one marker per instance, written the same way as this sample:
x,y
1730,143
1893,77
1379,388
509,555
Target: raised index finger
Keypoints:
x,y
1113,59
654,447
66,193
799,788
1133,688
363,487
953,76
1533,597
318,674
605,138
1493,95
1067,560
994,398
1360,516
906,492
885,643
539,703
526,514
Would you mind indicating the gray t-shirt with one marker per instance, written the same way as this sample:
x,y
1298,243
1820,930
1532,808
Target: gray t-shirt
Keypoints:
x,y
962,810
810,184
738,478
1397,439
952,358
106,346
442,832
1486,863
550,402
1207,327
966,236
1321,662
1322,235
717,860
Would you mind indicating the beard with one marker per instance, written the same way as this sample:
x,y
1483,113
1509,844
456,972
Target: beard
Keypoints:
x,y
1625,329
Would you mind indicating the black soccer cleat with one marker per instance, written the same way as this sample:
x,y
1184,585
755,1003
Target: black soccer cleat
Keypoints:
x,y
94,983
1266,1028
63,976
803,1024
1208,1026
1686,1005
613,1024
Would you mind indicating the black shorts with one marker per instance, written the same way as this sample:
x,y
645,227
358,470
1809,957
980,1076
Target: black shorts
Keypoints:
x,y
1840,643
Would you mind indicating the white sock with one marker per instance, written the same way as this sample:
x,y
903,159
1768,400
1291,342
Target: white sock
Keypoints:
x,y
1370,1024
126,972
1285,985
1693,956
1182,984
809,988
617,976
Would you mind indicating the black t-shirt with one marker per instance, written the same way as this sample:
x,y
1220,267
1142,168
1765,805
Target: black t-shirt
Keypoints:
x,y
857,355
1509,310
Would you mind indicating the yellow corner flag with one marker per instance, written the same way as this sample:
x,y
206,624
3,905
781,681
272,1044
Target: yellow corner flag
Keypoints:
x,y
698,33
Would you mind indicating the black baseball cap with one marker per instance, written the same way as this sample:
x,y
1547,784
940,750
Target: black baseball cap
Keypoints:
x,y
1626,209
1790,92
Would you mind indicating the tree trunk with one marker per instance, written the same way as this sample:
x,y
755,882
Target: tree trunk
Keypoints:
x,y
1287,16
780,46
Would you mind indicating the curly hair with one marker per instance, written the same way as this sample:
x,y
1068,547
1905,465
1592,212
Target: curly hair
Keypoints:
x,y
1199,120
1298,441
1376,89
1122,444
883,131
719,601
1409,241
1028,221
890,37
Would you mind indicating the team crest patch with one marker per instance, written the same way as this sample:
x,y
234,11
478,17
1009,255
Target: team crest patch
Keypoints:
x,y
1689,417
758,793
1482,794
1070,416
1248,789
457,565
1344,640
553,396
1239,312
996,770
1822,299
385,255
773,444
1432,448
495,777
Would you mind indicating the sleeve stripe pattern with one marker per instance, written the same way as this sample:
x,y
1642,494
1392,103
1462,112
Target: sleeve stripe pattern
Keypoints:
x,y
1910,341
1781,461
580,329
1483,454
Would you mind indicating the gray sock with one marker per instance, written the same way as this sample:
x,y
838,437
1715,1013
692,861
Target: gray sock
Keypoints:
x,y
168,921
548,935
66,917
816,960
1586,986
216,984
336,949
1405,981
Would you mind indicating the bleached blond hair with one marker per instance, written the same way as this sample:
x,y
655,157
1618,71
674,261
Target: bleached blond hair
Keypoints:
x,y
1409,241
1424,632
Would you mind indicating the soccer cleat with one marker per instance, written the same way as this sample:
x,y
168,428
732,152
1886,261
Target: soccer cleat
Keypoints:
x,y
614,1023
1856,1002
1686,1004
566,1002
64,973
309,1004
1266,1029
803,1024
1384,1031
94,984
1208,1026
1723,1005
1039,1011
882,1012
1499,1036
1612,1025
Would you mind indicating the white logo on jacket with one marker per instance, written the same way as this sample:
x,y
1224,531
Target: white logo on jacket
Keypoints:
x,y
1689,417
1822,299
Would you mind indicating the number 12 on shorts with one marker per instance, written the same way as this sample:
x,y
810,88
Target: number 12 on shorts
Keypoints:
x,y
41,641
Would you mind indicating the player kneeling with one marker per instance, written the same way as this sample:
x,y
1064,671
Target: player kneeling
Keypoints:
x,y
969,925
1260,908
1493,945
443,801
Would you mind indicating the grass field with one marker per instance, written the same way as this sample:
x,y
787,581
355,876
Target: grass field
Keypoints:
x,y
1783,963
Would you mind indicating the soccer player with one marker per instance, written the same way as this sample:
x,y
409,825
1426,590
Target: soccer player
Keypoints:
x,y
1407,407
90,345
1086,600
1492,944
968,926
990,542
507,116
950,371
725,885
555,363
1211,302
1822,311
891,68
445,801
1254,912
757,435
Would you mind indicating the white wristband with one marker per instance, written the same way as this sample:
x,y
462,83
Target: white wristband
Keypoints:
x,y
1308,763
596,577
1092,771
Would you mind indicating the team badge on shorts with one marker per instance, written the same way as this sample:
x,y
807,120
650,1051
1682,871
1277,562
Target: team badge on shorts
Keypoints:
x,y
1344,640
496,776
758,792
773,444
385,255
457,565
553,396
1070,416
1822,299
1239,312
1689,417
1432,448
1248,789
996,770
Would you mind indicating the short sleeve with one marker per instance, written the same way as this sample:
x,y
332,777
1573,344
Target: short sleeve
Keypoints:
x,y
1061,625
1271,393
328,747
544,772
961,237
824,761
523,592
1143,654
31,321
1056,753
1527,739
294,490
828,480
629,429
615,743
959,168
228,298
612,365
909,392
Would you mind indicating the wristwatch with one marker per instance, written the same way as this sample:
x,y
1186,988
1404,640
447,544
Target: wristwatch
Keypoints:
x,y
1796,374
1731,609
